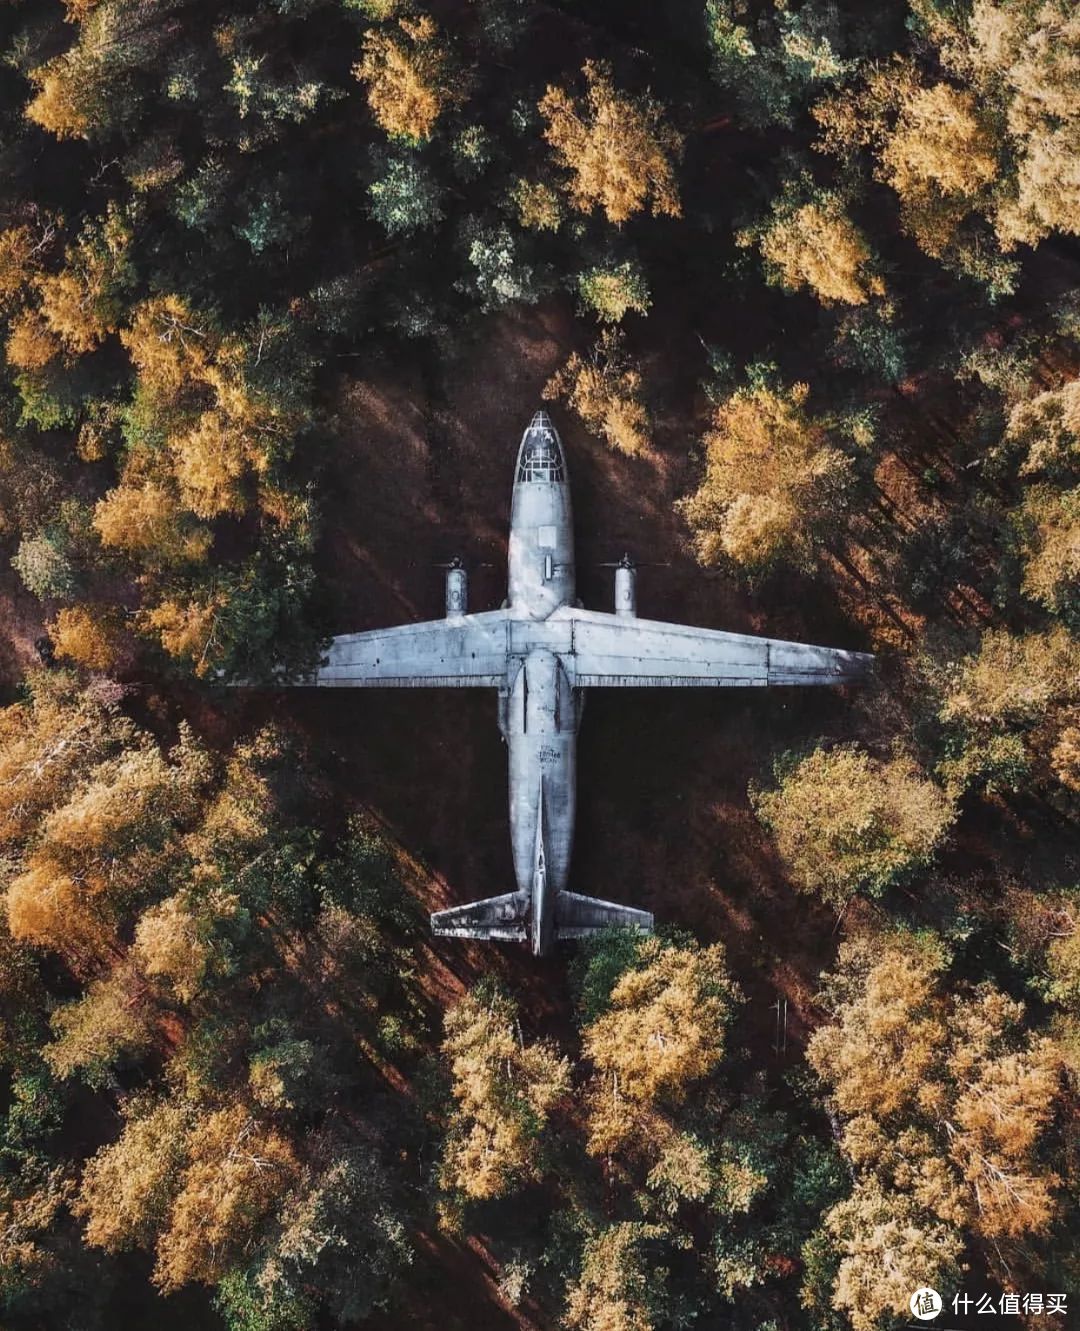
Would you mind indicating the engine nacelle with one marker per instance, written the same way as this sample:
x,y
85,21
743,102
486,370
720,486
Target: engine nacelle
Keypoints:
x,y
626,589
457,591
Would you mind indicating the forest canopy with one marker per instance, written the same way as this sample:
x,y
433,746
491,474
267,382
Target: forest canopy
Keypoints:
x,y
798,278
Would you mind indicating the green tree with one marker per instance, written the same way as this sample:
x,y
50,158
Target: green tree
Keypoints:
x,y
773,58
405,196
612,290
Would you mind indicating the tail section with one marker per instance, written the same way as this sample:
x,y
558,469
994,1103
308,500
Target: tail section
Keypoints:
x,y
540,915
504,919
577,916
511,918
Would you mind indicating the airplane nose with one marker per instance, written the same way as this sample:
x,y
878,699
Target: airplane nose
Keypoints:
x,y
541,457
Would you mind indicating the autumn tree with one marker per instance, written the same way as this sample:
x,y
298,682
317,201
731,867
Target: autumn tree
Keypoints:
x,y
82,90
129,1187
947,1103
32,1204
1023,57
940,158
813,244
194,1187
604,388
88,636
94,816
208,433
145,517
845,822
174,939
1049,528
409,77
18,254
31,344
109,1023
46,745
236,1170
774,475
1046,427
663,1031
618,1288
220,428
503,1089
80,304
1005,706
887,1248
937,145
620,151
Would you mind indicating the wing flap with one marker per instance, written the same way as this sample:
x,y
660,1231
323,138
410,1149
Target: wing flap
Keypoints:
x,y
612,651
441,653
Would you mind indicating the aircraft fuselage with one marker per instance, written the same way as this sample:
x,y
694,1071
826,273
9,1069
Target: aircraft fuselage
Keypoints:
x,y
539,710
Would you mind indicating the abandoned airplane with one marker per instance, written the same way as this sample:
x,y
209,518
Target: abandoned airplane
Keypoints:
x,y
541,651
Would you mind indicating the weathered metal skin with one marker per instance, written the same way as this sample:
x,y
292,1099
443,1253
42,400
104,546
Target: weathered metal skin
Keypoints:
x,y
541,721
542,651
541,569
542,750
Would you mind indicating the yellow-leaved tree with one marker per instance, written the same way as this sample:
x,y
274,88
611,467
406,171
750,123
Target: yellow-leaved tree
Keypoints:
x,y
845,822
410,77
774,475
88,635
1049,525
947,1104
941,159
604,388
1025,57
619,150
812,244
1006,707
92,811
617,1289
193,1185
664,1031
504,1091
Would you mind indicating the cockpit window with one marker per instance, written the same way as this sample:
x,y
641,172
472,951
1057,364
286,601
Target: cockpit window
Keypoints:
x,y
541,456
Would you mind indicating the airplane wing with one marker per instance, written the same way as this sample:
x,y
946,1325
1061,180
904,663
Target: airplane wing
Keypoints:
x,y
469,652
615,651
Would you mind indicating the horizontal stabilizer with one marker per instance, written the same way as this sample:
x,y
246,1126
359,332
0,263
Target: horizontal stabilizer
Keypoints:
x,y
502,918
577,916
